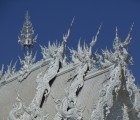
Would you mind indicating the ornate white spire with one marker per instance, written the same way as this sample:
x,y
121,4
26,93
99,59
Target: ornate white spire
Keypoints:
x,y
128,38
116,41
94,40
26,38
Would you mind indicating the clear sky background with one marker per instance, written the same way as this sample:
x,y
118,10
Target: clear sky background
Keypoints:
x,y
51,18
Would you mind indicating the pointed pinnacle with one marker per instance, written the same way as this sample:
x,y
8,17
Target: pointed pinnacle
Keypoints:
x,y
79,42
2,68
72,22
11,63
79,46
26,38
116,32
27,15
96,37
131,29
15,63
49,44
128,38
84,47
94,40
66,36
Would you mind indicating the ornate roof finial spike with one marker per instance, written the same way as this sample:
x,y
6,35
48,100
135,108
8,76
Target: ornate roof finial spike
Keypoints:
x,y
27,17
128,38
131,28
26,38
116,32
79,46
96,37
94,40
116,42
49,44
84,47
66,36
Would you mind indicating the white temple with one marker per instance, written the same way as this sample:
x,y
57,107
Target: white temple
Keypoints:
x,y
91,86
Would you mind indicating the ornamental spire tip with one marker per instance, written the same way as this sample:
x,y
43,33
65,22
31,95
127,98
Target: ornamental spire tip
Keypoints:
x,y
26,38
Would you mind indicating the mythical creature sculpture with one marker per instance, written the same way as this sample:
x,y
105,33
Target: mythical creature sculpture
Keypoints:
x,y
120,80
85,59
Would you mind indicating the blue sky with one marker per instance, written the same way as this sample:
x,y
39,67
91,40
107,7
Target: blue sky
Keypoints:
x,y
51,18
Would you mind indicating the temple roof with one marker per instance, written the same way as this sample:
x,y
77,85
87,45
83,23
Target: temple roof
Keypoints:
x,y
88,86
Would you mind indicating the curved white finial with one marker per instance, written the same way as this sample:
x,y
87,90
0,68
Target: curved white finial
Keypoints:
x,y
128,38
66,36
96,37
131,28
94,40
